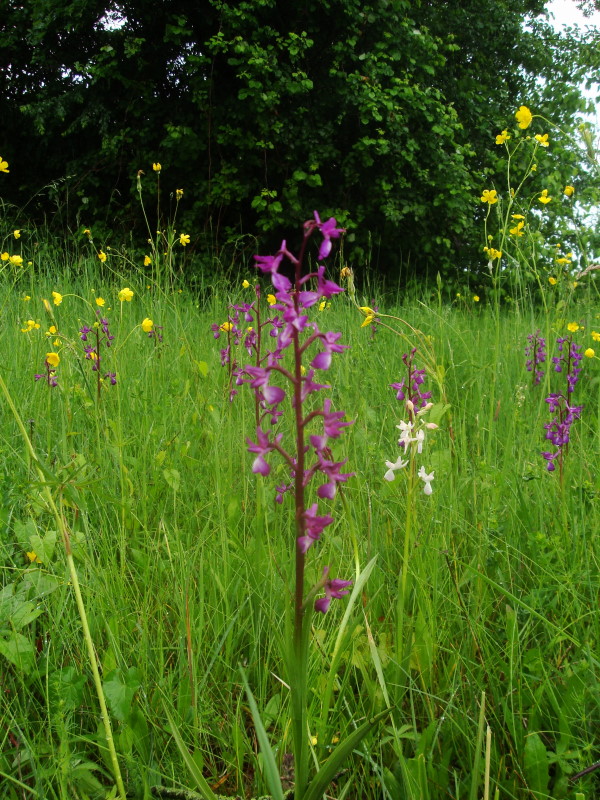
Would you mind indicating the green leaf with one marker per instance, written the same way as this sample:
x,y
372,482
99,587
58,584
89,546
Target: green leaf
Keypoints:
x,y
269,764
193,769
173,478
325,775
535,765
119,693
44,547
24,613
202,368
66,687
24,531
18,650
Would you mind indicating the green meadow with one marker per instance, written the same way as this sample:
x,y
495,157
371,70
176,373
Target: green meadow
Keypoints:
x,y
470,628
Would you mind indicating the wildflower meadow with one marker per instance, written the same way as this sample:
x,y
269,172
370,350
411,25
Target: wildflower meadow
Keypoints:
x,y
290,531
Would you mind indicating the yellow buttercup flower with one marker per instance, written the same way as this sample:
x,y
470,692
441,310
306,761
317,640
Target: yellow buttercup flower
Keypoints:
x,y
17,261
542,139
30,324
475,298
87,231
33,557
322,305
524,117
184,239
573,327
271,299
100,301
147,261
563,260
4,256
57,298
147,325
125,295
52,359
17,234
543,198
552,281
489,196
596,336
517,216
52,331
156,166
569,191
178,193
589,353
27,297
102,256
369,315
492,253
503,137
226,326
518,229
245,284
3,165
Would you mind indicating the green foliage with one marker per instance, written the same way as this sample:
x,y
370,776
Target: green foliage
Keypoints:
x,y
382,113
181,557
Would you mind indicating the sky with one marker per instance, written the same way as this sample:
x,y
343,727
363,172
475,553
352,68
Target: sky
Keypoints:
x,y
566,14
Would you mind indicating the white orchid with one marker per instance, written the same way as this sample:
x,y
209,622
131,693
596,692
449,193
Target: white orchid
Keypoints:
x,y
393,466
405,435
426,480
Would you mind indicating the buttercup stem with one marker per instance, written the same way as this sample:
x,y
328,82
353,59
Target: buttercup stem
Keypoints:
x,y
60,522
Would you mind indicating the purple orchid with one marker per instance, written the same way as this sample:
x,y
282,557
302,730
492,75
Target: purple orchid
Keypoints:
x,y
536,355
333,588
292,328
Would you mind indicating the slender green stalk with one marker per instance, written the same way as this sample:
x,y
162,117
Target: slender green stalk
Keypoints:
x,y
62,527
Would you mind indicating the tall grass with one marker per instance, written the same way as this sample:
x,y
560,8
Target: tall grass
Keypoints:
x,y
181,554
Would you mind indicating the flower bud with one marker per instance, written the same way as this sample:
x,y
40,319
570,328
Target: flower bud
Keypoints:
x,y
425,409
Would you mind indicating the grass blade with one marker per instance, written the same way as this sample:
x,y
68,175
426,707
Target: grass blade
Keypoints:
x,y
333,764
194,770
270,765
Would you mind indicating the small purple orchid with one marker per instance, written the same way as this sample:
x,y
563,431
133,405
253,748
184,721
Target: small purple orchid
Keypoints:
x,y
333,588
560,405
558,431
568,361
413,431
536,355
409,388
101,337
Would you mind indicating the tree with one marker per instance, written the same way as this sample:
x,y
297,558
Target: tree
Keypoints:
x,y
382,112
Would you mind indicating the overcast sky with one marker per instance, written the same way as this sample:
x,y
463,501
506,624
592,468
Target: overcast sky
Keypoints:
x,y
566,13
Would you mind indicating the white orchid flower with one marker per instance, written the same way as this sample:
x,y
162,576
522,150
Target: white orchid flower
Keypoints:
x,y
426,480
393,466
